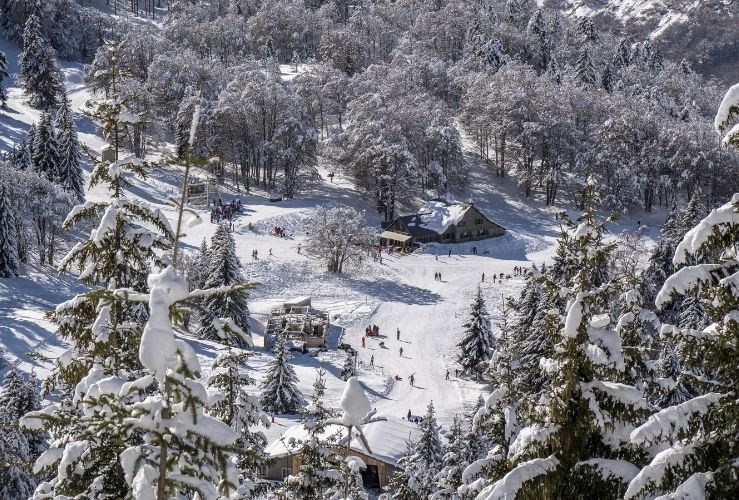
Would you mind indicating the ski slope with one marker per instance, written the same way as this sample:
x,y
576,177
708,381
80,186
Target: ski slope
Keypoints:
x,y
399,293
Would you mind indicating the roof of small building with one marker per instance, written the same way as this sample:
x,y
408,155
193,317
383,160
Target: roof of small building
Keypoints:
x,y
435,217
387,439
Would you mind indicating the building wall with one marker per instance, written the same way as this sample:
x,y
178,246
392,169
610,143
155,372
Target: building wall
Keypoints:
x,y
468,228
274,470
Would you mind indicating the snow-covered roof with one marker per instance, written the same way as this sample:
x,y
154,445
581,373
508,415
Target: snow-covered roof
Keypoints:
x,y
387,439
438,215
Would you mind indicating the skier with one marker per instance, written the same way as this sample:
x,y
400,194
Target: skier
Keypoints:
x,y
437,257
397,334
401,351
270,252
362,341
450,253
298,248
372,360
483,277
493,278
447,374
409,415
439,276
413,378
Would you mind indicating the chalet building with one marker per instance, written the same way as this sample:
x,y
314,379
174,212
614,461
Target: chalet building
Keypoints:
x,y
441,222
387,444
298,321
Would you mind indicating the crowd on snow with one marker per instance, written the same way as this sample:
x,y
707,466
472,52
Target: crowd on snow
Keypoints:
x,y
220,212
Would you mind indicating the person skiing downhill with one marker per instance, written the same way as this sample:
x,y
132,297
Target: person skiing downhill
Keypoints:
x,y
401,351
413,378
398,334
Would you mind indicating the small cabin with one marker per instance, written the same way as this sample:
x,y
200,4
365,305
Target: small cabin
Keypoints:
x,y
439,221
387,444
298,320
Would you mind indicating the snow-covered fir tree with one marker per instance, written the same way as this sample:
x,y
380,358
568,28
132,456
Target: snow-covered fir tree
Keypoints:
x,y
574,441
224,269
347,369
236,407
69,171
585,70
42,80
45,157
699,443
103,327
417,477
452,462
477,342
318,473
3,76
497,417
19,448
279,389
9,262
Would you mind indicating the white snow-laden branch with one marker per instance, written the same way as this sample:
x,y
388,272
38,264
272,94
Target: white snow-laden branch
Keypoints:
x,y
696,237
694,488
507,487
225,327
732,136
194,124
574,317
626,394
622,470
529,436
729,107
474,469
685,279
497,395
668,422
655,471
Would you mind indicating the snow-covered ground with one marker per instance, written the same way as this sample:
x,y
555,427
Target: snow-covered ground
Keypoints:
x,y
400,293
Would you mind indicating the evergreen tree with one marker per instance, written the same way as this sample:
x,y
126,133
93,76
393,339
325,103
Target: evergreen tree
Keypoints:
x,y
280,392
477,342
692,215
224,270
622,56
585,70
573,445
9,262
19,448
660,262
452,462
3,75
45,157
586,28
317,473
68,148
607,79
419,469
347,369
103,326
237,408
701,440
42,80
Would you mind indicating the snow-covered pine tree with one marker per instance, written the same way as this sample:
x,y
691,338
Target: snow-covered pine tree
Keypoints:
x,y
182,449
318,472
68,148
279,388
16,481
699,438
585,71
3,75
347,369
42,80
637,328
477,343
497,418
622,56
45,157
586,29
420,468
224,270
607,80
692,215
236,407
660,262
574,443
453,462
9,262
104,328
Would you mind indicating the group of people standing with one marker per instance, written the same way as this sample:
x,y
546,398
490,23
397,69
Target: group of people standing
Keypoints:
x,y
220,212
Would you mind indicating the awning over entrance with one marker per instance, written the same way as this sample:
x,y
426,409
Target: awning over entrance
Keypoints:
x,y
391,235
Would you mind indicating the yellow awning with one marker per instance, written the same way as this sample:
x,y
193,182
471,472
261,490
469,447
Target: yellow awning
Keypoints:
x,y
391,235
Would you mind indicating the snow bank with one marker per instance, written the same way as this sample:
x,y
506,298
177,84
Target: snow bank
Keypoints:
x,y
507,488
